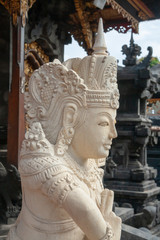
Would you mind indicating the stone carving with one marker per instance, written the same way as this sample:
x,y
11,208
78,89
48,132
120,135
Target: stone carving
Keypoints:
x,y
48,35
147,218
10,192
71,110
133,181
131,52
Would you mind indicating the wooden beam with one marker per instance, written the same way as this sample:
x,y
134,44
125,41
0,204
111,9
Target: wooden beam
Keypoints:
x,y
141,7
16,124
18,8
86,29
125,14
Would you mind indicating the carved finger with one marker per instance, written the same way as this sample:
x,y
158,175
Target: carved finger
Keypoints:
x,y
115,223
109,203
104,196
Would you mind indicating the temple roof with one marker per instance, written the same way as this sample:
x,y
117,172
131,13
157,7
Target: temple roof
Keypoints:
x,y
117,14
80,17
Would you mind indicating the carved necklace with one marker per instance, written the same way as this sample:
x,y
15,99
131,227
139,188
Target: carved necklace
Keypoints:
x,y
88,176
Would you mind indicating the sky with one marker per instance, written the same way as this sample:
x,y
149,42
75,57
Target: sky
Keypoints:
x,y
149,35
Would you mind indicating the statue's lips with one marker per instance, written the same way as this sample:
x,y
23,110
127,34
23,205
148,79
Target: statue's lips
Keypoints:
x,y
107,146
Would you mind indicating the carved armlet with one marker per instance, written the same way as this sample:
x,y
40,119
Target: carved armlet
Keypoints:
x,y
109,233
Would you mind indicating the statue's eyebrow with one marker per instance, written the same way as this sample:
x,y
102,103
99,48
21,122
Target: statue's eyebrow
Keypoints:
x,y
105,114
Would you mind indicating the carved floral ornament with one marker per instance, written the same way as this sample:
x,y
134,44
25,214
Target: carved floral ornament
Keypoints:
x,y
18,8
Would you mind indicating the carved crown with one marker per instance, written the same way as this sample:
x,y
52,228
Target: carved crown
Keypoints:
x,y
89,81
99,72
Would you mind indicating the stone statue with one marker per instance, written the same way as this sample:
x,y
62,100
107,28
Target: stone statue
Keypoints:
x,y
71,110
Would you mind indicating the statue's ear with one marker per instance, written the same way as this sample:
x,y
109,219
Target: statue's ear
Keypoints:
x,y
70,115
67,131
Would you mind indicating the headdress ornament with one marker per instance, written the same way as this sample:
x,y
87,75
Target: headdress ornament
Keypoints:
x,y
91,81
50,84
99,72
100,46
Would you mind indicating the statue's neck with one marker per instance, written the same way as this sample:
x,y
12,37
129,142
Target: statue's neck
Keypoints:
x,y
83,162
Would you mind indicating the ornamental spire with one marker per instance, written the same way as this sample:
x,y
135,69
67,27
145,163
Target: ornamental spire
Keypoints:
x,y
99,46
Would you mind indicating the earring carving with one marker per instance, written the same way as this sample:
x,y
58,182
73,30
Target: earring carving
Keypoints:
x,y
64,140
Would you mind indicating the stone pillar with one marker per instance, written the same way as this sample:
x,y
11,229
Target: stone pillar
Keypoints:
x,y
133,180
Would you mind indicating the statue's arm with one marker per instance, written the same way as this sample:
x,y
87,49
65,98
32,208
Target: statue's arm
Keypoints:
x,y
85,213
64,190
61,187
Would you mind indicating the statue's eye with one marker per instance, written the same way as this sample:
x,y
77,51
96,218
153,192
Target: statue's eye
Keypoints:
x,y
103,124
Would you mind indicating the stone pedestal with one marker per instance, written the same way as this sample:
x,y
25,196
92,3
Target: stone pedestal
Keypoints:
x,y
136,194
131,233
124,213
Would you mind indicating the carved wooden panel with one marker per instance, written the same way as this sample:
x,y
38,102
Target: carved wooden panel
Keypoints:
x,y
18,8
34,58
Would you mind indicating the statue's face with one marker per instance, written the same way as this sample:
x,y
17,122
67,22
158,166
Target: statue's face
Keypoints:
x,y
93,139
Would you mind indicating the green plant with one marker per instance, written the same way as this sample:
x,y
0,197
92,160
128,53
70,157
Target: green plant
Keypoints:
x,y
154,61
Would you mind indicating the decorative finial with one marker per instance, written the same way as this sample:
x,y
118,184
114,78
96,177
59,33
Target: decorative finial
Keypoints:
x,y
131,52
131,40
99,46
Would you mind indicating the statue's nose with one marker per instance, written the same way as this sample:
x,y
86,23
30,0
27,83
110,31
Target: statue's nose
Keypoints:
x,y
113,133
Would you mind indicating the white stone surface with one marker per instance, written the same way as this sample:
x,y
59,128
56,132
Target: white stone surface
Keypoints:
x,y
71,111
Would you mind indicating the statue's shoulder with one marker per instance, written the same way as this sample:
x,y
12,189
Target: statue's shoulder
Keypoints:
x,y
31,165
37,153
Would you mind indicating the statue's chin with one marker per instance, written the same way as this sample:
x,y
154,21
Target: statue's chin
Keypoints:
x,y
102,154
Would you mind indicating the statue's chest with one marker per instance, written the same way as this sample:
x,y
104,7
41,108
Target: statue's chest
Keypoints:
x,y
90,179
91,183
